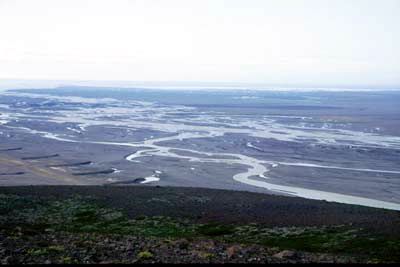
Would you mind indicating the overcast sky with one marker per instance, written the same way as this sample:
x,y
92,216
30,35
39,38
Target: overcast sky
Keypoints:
x,y
289,42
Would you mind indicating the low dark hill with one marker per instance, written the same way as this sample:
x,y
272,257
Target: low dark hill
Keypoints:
x,y
222,206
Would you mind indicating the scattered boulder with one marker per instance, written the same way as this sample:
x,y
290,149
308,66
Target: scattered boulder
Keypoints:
x,y
233,250
286,254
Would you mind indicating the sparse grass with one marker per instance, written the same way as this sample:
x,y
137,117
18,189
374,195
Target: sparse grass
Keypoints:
x,y
37,252
23,216
145,255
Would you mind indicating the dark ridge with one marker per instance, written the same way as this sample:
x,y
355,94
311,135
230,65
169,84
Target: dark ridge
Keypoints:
x,y
95,172
135,181
71,164
11,149
41,157
302,158
11,173
257,149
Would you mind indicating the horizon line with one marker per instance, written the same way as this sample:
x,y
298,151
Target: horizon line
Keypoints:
x,y
8,84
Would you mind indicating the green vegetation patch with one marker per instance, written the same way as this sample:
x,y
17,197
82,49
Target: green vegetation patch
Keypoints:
x,y
145,255
215,229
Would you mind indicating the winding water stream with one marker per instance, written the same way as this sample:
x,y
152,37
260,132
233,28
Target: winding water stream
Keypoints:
x,y
256,168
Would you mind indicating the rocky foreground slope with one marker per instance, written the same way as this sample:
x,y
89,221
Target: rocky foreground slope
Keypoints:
x,y
111,224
